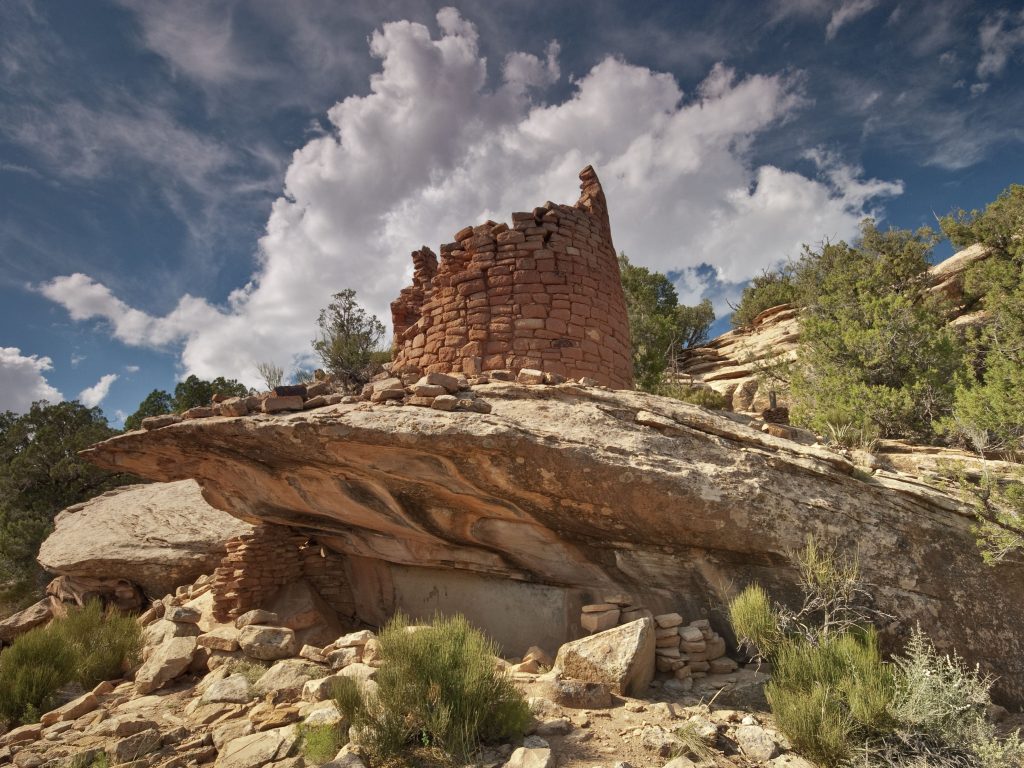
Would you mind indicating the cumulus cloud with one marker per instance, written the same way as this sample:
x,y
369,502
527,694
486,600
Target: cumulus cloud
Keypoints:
x,y
848,11
22,380
1000,35
434,146
92,396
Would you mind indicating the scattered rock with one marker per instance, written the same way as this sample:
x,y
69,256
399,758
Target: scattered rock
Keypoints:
x,y
231,690
257,749
287,678
23,621
531,757
267,643
755,743
579,694
258,616
131,748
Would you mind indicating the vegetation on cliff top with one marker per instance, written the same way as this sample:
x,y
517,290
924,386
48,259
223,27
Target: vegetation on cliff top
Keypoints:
x,y
659,325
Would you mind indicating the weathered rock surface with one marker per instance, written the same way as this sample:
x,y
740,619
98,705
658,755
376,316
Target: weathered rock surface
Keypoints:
x,y
157,536
23,621
622,658
560,486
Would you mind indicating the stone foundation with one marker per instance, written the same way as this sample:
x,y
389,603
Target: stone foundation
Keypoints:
x,y
544,293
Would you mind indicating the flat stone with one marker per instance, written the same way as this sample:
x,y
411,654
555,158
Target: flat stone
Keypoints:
x,y
267,643
220,639
599,608
530,376
526,757
23,621
22,735
257,616
275,404
450,383
666,620
131,748
287,678
599,622
182,614
691,634
354,639
445,403
231,690
158,422
258,749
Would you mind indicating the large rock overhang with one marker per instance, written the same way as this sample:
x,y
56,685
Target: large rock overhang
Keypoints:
x,y
593,490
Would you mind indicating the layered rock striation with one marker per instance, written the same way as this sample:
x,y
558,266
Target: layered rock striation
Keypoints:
x,y
574,492
544,293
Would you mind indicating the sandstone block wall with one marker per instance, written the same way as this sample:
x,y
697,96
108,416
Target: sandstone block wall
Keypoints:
x,y
258,564
544,293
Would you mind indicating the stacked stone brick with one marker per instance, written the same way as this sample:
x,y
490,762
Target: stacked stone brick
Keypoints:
x,y
685,651
542,294
255,567
325,571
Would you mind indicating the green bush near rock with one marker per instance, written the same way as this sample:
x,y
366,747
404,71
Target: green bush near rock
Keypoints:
x,y
836,699
438,688
87,646
320,743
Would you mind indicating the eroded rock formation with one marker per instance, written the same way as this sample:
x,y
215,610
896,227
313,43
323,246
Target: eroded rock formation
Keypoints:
x,y
564,493
154,536
544,294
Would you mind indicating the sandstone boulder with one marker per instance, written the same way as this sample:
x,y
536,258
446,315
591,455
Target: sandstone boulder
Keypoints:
x,y
267,643
258,749
157,536
622,658
168,660
287,678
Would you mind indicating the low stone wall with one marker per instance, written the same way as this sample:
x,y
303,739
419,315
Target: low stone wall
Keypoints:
x,y
544,294
259,564
255,567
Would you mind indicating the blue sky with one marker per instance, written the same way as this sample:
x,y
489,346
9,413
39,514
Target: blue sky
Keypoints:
x,y
183,185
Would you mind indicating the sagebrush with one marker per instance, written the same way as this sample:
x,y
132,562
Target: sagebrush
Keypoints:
x,y
438,687
87,646
840,703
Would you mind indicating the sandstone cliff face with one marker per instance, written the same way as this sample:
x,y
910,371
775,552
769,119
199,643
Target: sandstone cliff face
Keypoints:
x,y
580,491
155,536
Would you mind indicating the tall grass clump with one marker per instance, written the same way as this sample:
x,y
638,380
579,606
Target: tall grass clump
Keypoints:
x,y
87,646
320,743
438,688
840,703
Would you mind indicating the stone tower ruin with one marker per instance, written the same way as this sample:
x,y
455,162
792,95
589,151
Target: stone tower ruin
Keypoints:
x,y
544,293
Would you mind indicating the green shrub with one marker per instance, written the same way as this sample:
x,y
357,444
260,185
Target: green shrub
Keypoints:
x,y
250,670
840,704
702,396
755,621
105,643
320,743
439,688
36,665
767,290
85,647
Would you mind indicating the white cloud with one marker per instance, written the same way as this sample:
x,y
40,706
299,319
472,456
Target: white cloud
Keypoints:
x,y
76,359
1000,35
433,147
22,381
131,368
848,11
94,395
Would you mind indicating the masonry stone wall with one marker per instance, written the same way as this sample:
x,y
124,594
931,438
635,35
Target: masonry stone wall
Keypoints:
x,y
258,564
544,293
